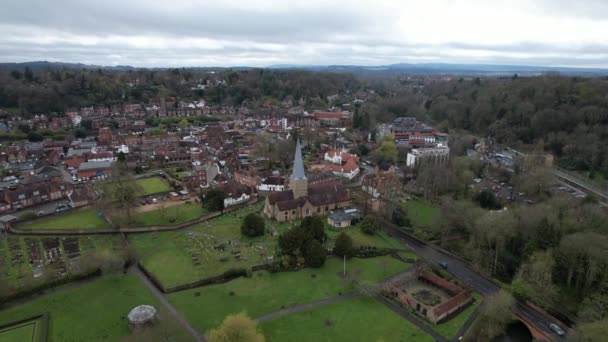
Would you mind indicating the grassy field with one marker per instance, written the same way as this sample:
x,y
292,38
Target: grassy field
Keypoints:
x,y
162,217
152,185
420,213
357,319
265,292
21,256
94,311
73,219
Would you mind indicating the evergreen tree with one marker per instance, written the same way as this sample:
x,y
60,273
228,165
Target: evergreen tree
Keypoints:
x,y
344,245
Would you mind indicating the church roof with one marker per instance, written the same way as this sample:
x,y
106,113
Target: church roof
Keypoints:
x,y
280,196
298,163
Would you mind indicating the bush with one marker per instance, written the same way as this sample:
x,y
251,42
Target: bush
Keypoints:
x,y
343,246
253,225
400,218
369,225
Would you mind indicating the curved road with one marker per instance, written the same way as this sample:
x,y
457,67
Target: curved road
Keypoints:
x,y
461,270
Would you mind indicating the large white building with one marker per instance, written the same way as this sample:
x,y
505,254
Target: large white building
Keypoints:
x,y
435,155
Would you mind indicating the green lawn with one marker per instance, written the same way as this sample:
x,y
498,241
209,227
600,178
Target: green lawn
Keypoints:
x,y
357,319
94,311
75,219
153,185
265,292
420,213
380,239
22,332
163,217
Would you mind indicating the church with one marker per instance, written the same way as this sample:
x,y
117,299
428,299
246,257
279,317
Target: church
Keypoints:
x,y
301,199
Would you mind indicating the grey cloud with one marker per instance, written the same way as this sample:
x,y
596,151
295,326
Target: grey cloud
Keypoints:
x,y
323,34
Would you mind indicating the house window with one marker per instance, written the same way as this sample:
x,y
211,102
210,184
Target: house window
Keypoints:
x,y
326,208
318,209
307,211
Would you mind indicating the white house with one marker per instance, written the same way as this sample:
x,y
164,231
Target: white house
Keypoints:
x,y
272,183
235,194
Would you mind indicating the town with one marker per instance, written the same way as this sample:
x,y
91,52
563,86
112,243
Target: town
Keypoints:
x,y
297,204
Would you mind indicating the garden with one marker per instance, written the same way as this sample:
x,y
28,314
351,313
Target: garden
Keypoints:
x,y
265,292
27,262
421,214
356,319
94,311
152,185
89,218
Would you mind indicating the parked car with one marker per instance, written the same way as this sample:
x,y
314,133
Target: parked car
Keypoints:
x,y
443,264
556,329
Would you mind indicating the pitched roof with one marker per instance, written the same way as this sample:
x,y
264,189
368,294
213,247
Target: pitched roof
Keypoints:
x,y
280,196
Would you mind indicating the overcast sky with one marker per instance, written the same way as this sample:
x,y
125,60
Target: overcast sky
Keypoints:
x,y
261,33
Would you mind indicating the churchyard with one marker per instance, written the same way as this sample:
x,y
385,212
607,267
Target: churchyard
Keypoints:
x,y
213,247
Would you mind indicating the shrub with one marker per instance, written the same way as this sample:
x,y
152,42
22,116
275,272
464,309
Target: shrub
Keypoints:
x,y
369,225
28,215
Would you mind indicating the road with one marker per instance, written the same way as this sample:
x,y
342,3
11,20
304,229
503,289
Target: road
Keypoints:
x,y
465,274
581,183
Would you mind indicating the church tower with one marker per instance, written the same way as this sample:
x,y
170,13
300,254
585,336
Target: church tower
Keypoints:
x,y
298,182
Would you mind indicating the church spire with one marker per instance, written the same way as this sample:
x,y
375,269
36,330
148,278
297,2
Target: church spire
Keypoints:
x,y
298,164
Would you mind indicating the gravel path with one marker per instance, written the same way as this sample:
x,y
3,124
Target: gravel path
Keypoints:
x,y
302,307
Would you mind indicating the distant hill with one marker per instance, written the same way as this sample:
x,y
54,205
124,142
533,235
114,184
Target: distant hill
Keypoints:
x,y
450,69
44,65
400,68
